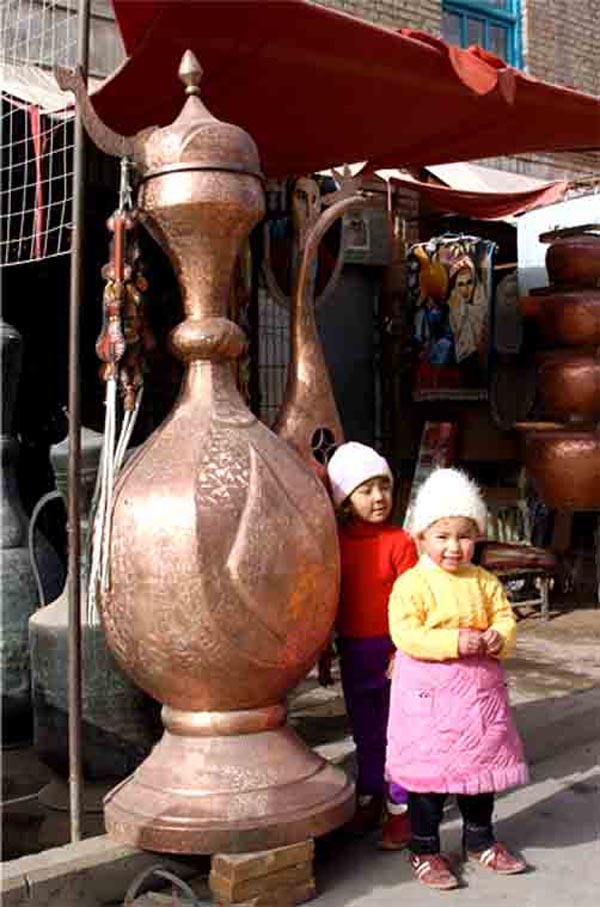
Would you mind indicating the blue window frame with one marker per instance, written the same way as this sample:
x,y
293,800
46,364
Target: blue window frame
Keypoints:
x,y
493,24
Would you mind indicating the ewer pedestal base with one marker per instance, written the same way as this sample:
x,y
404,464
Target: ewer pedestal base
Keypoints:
x,y
207,788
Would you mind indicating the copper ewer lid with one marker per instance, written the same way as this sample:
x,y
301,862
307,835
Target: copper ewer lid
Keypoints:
x,y
196,140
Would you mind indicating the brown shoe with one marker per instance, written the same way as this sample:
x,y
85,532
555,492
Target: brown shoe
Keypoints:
x,y
433,870
499,859
366,818
396,833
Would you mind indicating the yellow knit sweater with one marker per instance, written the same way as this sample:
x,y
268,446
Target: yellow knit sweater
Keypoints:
x,y
429,605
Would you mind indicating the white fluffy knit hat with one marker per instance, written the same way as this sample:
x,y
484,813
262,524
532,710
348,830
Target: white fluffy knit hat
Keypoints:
x,y
447,492
351,465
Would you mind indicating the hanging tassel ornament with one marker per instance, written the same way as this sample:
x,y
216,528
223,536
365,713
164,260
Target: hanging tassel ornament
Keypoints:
x,y
119,347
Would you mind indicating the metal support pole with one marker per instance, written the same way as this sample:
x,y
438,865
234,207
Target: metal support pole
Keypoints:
x,y
74,528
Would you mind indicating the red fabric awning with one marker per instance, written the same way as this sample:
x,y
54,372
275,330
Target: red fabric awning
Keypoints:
x,y
315,87
482,205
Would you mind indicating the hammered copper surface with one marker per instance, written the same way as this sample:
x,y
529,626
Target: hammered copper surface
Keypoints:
x,y
575,260
568,317
569,385
248,792
224,557
565,466
563,459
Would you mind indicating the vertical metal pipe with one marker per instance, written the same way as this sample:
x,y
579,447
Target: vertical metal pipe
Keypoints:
x,y
74,528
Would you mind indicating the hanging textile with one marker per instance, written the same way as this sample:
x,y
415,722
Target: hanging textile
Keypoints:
x,y
450,298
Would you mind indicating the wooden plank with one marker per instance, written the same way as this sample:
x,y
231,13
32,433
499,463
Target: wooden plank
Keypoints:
x,y
237,867
231,891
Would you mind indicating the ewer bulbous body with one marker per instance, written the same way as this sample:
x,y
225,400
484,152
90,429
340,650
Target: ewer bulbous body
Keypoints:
x,y
224,558
224,572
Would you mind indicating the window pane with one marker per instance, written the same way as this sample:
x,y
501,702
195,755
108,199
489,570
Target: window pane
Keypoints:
x,y
451,27
475,32
499,4
498,41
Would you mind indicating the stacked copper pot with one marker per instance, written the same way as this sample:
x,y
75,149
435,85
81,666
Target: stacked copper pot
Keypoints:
x,y
563,456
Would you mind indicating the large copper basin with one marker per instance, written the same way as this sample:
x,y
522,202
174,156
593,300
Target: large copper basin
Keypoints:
x,y
575,260
569,384
569,318
564,465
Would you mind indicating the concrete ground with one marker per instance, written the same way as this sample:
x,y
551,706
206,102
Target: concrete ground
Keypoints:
x,y
554,823
554,680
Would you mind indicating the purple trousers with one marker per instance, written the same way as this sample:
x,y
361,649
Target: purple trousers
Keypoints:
x,y
364,664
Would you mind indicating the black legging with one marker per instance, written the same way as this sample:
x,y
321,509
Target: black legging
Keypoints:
x,y
426,810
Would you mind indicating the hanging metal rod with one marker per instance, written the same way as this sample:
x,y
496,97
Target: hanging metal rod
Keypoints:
x,y
74,466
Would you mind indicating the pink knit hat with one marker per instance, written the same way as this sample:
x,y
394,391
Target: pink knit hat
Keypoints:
x,y
351,465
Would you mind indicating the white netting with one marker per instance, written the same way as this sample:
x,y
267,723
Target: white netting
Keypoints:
x,y
36,129
39,32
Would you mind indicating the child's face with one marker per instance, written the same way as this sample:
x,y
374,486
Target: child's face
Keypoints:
x,y
450,542
372,501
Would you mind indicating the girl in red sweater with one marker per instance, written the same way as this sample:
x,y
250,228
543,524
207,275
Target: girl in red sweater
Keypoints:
x,y
373,554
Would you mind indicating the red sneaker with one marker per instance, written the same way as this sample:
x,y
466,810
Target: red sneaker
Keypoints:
x,y
433,870
499,859
396,833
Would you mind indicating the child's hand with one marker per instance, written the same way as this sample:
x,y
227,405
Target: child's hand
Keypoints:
x,y
492,641
470,642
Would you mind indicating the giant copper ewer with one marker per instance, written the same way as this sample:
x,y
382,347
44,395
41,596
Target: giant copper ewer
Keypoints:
x,y
224,560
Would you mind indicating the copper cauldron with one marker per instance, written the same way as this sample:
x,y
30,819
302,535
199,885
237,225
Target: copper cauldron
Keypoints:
x,y
569,384
224,558
574,260
564,464
563,317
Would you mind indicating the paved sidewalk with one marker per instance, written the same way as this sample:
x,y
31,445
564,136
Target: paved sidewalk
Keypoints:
x,y
554,681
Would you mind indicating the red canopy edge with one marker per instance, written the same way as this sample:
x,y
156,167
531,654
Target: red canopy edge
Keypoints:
x,y
314,86
482,205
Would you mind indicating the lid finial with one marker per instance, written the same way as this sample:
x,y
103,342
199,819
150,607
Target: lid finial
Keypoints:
x,y
190,72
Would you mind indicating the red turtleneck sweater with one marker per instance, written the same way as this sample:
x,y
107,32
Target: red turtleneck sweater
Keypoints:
x,y
372,558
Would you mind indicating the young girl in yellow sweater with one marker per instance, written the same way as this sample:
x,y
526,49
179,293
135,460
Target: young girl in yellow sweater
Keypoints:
x,y
450,729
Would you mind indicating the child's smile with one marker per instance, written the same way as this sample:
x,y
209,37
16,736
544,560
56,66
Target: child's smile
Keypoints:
x,y
450,542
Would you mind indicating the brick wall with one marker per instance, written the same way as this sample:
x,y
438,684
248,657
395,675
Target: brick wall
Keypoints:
x,y
425,15
562,42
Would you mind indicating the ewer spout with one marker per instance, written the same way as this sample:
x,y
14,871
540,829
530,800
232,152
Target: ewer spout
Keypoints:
x,y
309,419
